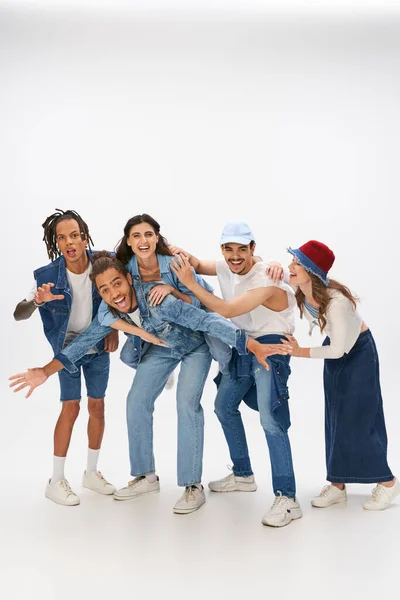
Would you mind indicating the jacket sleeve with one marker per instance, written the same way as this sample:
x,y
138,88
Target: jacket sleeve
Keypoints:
x,y
187,315
105,316
81,344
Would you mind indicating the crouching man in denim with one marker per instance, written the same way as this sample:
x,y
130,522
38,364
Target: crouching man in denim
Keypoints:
x,y
179,325
265,310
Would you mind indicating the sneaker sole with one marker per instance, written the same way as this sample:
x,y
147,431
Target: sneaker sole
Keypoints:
x,y
186,511
251,488
296,513
330,504
119,498
62,503
99,491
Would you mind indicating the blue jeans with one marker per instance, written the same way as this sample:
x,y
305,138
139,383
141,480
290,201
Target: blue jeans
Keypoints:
x,y
149,381
229,396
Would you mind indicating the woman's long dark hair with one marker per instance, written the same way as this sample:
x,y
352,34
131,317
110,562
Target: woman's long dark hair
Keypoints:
x,y
124,252
321,295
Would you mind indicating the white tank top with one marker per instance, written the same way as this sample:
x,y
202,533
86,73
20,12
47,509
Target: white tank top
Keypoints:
x,y
261,320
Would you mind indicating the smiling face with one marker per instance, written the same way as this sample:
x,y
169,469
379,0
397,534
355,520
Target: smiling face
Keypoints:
x,y
143,240
70,241
298,274
116,290
239,257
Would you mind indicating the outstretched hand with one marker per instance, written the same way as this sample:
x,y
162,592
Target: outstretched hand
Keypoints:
x,y
182,269
32,378
152,339
44,294
263,351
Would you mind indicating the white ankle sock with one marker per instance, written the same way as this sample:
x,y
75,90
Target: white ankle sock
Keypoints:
x,y
151,477
58,469
92,460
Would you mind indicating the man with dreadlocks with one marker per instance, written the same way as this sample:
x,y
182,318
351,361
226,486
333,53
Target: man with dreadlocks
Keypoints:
x,y
68,301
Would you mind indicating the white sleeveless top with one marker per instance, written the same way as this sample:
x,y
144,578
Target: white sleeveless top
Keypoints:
x,y
261,320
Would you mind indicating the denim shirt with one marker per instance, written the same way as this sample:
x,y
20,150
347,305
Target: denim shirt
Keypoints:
x,y
55,314
169,277
178,324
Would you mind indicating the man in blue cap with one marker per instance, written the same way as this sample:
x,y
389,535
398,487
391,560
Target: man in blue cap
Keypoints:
x,y
264,308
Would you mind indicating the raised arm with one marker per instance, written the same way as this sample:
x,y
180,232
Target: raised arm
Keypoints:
x,y
197,319
238,306
32,378
202,267
43,294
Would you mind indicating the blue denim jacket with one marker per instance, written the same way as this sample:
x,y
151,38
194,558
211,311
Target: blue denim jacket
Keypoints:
x,y
55,314
179,324
219,351
241,366
169,277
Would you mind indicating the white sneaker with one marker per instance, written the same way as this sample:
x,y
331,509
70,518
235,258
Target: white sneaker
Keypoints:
x,y
233,483
382,496
330,494
191,500
61,493
282,511
140,486
170,381
96,482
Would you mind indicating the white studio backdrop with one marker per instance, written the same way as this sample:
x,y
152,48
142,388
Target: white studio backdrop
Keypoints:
x,y
290,123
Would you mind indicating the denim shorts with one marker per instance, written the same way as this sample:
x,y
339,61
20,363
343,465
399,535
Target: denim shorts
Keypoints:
x,y
96,369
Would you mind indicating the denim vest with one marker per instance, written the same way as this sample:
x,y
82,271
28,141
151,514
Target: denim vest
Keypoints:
x,y
55,314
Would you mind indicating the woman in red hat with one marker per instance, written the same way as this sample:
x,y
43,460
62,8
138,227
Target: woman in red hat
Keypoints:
x,y
355,432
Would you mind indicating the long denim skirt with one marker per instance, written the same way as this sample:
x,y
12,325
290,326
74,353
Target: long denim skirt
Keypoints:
x,y
355,432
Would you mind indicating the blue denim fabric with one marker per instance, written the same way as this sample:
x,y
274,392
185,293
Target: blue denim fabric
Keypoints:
x,y
55,314
96,369
355,431
177,323
267,392
241,366
169,277
219,351
149,381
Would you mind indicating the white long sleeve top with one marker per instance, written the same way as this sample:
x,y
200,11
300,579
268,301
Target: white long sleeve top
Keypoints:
x,y
343,327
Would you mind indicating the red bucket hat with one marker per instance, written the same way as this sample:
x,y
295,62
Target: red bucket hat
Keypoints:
x,y
316,258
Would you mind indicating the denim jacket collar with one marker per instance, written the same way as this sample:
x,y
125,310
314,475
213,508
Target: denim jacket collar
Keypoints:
x,y
163,263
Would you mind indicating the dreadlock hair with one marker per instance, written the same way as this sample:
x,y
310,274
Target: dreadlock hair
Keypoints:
x,y
322,297
50,230
101,262
124,252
